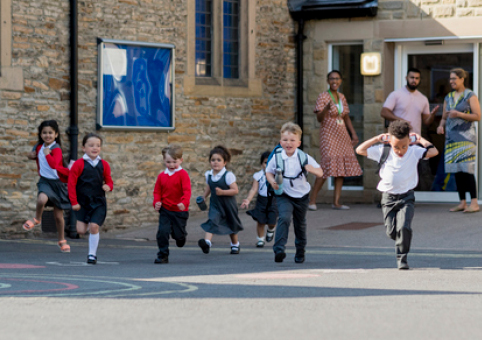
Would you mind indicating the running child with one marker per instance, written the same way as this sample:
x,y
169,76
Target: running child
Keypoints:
x,y
265,212
88,181
294,165
172,194
52,190
223,209
398,177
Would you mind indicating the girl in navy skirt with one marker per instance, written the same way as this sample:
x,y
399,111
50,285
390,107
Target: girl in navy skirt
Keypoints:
x,y
265,212
52,190
223,208
88,181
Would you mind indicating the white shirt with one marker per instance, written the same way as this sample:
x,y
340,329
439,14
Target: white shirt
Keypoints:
x,y
292,168
170,173
398,174
91,161
230,178
260,177
45,169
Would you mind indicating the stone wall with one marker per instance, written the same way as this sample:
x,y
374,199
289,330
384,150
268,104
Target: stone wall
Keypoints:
x,y
248,126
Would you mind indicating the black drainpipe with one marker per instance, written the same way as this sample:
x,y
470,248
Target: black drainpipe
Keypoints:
x,y
73,130
299,66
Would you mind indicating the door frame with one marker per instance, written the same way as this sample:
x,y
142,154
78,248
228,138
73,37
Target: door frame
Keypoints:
x,y
419,46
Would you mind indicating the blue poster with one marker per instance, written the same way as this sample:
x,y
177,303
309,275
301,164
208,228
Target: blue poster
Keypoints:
x,y
136,88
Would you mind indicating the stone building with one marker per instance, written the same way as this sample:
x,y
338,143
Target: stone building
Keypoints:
x,y
431,35
243,111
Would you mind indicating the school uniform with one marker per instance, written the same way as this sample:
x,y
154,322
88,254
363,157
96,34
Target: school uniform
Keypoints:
x,y
53,175
262,213
223,210
398,178
293,202
86,179
172,188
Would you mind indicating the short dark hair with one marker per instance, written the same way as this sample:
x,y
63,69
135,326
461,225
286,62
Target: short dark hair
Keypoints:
x,y
399,129
91,135
414,70
334,71
221,151
264,155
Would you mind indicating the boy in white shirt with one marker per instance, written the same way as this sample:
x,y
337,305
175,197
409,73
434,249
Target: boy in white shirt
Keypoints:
x,y
295,197
399,177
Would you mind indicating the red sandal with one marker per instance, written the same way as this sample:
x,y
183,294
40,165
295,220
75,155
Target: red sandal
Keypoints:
x,y
30,224
64,247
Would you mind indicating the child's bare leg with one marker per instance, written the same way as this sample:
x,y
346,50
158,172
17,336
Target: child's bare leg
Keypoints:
x,y
81,228
59,223
260,230
208,236
234,238
42,200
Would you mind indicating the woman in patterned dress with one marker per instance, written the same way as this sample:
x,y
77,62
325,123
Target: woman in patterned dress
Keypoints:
x,y
337,156
461,112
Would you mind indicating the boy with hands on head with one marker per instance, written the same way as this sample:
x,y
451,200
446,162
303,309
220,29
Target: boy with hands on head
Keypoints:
x,y
398,178
295,197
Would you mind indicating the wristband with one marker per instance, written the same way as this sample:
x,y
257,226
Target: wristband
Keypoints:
x,y
430,147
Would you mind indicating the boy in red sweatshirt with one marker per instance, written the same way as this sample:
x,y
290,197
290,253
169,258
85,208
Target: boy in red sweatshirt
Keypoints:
x,y
172,194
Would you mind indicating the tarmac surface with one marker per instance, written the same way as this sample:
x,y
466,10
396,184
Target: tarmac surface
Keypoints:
x,y
348,287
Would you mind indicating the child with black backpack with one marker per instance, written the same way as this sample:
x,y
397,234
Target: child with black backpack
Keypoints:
x,y
293,165
399,176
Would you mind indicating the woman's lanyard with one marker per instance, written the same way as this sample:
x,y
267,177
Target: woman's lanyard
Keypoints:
x,y
453,102
339,108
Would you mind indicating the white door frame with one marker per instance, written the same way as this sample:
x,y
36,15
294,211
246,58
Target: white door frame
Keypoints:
x,y
402,50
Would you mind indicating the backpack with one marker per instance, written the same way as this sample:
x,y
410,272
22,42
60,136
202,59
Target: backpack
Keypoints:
x,y
302,157
384,157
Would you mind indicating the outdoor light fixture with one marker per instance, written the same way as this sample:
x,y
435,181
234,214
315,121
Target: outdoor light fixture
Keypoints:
x,y
371,64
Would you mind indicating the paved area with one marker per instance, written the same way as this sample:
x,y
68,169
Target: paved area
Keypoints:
x,y
347,288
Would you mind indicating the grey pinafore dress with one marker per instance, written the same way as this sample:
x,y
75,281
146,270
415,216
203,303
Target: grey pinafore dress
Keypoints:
x,y
223,211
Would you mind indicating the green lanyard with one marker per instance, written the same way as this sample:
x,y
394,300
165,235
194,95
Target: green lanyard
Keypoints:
x,y
339,105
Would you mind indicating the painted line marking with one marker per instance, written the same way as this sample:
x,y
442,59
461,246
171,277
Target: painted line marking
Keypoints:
x,y
79,264
18,266
68,286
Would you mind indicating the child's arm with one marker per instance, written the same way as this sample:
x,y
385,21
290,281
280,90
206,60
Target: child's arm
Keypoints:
x,y
431,150
53,157
363,147
318,172
186,191
271,181
207,192
75,172
233,190
109,184
157,194
251,193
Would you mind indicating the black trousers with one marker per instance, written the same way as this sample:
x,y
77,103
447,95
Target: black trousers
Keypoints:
x,y
465,182
398,211
170,223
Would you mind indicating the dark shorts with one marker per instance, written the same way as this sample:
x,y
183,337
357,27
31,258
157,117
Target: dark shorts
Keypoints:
x,y
262,213
96,215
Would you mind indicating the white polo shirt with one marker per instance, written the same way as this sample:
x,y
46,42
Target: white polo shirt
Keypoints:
x,y
292,168
230,178
45,169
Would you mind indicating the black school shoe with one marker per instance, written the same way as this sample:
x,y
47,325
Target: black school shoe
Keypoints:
x,y
235,250
204,246
180,243
280,256
91,259
269,235
161,260
300,256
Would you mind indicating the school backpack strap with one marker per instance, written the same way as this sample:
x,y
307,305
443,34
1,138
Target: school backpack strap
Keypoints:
x,y
303,158
384,156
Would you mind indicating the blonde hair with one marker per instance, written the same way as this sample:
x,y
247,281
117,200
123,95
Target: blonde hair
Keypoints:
x,y
173,150
292,128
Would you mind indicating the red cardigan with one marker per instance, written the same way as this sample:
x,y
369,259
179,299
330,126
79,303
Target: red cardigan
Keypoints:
x,y
172,190
76,171
55,160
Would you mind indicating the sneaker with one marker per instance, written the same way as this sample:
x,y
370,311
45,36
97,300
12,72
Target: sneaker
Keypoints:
x,y
300,256
269,235
280,256
91,259
402,265
234,249
162,259
204,246
260,244
312,207
180,243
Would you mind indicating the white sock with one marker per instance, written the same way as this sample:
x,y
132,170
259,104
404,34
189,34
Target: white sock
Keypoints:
x,y
259,238
208,242
234,245
271,230
93,243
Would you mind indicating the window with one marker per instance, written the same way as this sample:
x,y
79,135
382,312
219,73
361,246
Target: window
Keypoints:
x,y
231,39
11,78
203,37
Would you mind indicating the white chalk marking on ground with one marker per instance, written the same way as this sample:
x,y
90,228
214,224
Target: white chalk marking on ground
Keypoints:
x,y
79,264
4,285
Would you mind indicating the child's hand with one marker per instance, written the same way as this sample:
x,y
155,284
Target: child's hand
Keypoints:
x,y
275,185
32,155
181,207
245,204
219,191
383,138
106,187
417,138
76,207
47,151
158,206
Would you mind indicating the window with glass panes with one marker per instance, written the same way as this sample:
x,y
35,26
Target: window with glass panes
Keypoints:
x,y
203,38
231,39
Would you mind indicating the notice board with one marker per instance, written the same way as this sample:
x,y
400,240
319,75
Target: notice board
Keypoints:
x,y
136,85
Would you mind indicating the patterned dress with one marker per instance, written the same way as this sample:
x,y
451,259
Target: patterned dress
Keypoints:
x,y
461,137
337,155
